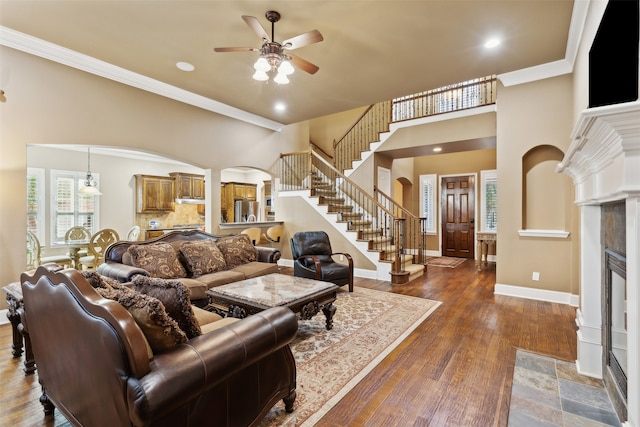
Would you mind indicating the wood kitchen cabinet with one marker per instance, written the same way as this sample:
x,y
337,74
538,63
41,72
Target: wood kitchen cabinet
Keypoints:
x,y
154,193
232,191
188,186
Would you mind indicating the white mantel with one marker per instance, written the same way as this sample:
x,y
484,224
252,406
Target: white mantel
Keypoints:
x,y
604,163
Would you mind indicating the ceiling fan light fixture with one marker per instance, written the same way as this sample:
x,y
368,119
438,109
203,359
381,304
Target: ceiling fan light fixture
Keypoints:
x,y
281,79
262,65
260,76
285,68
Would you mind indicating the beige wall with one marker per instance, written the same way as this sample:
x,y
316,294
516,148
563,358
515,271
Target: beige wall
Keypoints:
x,y
459,129
48,103
530,115
324,130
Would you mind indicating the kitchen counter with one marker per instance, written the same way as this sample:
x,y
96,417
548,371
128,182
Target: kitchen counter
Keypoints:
x,y
155,232
243,225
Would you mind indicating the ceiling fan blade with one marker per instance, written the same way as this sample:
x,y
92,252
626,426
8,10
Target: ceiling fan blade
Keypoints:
x,y
235,49
257,28
303,40
303,64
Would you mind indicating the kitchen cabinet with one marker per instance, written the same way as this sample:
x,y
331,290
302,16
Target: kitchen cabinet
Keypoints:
x,y
233,191
154,193
188,186
149,234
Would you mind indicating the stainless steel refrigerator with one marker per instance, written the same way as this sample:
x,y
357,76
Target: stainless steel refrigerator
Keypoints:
x,y
245,211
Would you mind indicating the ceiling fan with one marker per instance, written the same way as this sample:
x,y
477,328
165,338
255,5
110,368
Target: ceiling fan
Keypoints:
x,y
272,54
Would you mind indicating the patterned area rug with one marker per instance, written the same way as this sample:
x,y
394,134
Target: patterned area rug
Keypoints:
x,y
445,261
367,326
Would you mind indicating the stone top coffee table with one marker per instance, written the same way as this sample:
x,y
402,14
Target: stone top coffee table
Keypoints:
x,y
305,297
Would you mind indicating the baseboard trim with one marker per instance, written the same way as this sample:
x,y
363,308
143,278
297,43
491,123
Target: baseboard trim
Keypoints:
x,y
3,317
537,294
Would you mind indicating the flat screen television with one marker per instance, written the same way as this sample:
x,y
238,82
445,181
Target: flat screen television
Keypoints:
x,y
613,58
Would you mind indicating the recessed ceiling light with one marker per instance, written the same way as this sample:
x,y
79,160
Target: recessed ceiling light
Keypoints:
x,y
185,66
437,149
492,42
280,106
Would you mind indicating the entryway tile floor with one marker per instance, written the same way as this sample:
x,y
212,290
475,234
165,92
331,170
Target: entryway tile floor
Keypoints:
x,y
550,392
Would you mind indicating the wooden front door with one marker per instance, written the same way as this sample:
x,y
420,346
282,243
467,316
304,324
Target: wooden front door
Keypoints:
x,y
458,216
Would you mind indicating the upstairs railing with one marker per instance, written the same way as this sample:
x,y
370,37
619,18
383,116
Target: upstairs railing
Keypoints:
x,y
377,118
391,232
459,96
366,129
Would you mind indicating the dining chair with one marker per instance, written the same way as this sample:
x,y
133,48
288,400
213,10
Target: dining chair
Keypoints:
x,y
254,233
133,233
34,252
98,243
71,237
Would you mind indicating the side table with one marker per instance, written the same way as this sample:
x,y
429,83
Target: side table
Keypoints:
x,y
485,240
14,305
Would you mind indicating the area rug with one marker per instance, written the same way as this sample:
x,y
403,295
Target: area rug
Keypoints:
x,y
445,261
367,326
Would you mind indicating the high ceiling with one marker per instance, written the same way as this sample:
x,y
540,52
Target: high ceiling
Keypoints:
x,y
373,50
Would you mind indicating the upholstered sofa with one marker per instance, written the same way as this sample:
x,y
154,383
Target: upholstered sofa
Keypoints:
x,y
110,355
200,260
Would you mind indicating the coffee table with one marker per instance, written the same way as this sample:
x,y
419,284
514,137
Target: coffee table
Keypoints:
x,y
305,297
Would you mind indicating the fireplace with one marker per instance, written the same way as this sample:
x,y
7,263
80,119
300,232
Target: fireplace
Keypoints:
x,y
604,163
615,354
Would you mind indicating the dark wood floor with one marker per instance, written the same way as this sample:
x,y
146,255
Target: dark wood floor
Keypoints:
x,y
454,370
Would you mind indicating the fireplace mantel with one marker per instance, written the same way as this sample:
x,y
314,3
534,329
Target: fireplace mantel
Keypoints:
x,y
604,162
604,157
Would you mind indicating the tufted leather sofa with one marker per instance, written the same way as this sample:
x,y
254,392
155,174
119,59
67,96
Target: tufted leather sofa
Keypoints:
x,y
94,366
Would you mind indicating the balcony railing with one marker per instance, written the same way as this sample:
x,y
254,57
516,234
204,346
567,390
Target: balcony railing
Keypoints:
x,y
459,96
376,119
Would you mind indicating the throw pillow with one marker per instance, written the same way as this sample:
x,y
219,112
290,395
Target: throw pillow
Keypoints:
x,y
161,331
237,250
97,280
174,295
159,259
202,257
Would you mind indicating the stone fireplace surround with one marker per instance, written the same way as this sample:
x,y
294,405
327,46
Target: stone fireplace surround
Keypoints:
x,y
604,163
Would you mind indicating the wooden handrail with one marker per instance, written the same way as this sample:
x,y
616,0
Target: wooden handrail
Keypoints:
x,y
335,144
318,148
396,205
356,186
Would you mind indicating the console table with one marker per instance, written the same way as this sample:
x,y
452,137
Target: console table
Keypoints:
x,y
485,240
14,305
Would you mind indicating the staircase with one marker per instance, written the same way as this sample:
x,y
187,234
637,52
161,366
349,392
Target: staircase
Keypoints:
x,y
366,223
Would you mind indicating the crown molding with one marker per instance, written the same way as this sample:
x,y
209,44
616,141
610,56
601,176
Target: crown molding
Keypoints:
x,y
38,47
560,67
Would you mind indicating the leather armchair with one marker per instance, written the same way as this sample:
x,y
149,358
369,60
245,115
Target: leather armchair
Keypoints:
x,y
94,366
313,259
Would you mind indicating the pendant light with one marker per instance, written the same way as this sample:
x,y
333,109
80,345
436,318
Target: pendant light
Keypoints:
x,y
90,186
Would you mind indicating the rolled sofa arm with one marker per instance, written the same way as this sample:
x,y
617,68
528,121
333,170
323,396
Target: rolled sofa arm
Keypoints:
x,y
205,361
120,272
268,254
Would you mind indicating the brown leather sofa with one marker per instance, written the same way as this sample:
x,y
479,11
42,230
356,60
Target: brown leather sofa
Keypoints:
x,y
94,362
118,262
